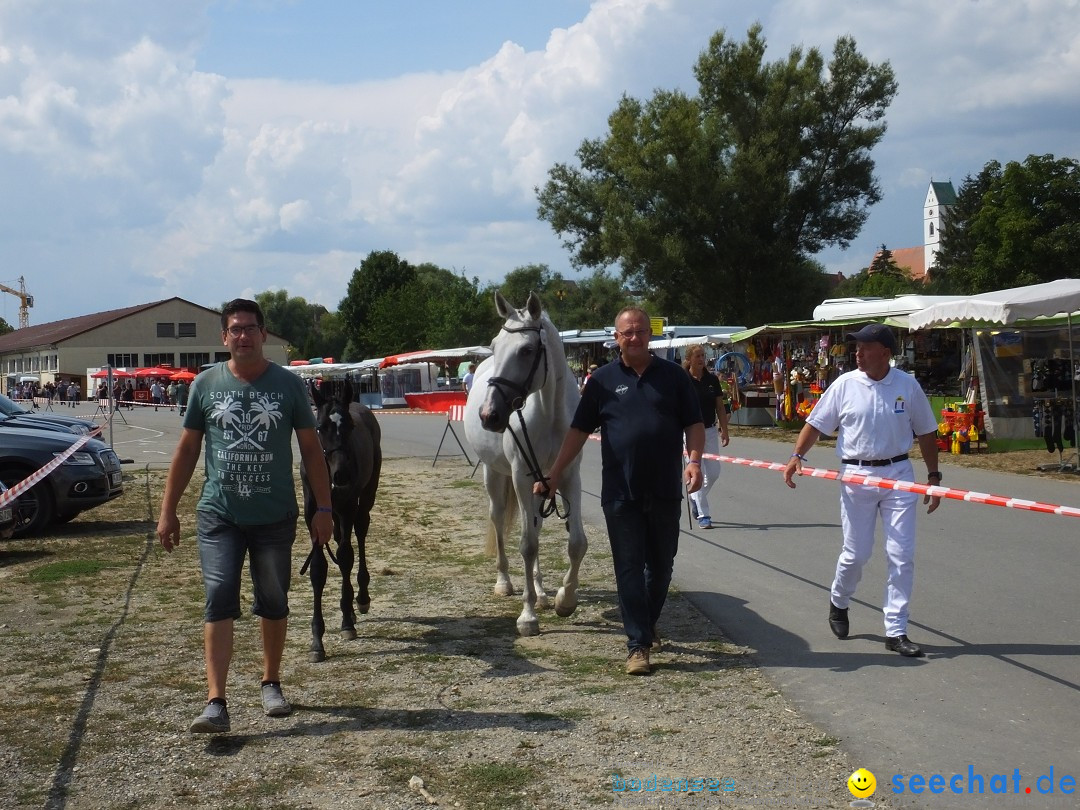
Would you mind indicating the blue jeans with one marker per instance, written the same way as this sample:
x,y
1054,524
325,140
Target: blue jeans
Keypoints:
x,y
644,537
222,548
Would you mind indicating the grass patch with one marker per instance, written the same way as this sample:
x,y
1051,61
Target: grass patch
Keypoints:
x,y
500,784
66,569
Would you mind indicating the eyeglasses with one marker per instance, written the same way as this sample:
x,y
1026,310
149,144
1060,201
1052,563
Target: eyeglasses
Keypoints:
x,y
250,330
640,333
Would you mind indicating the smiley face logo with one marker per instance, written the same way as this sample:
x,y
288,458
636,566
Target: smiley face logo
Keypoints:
x,y
862,784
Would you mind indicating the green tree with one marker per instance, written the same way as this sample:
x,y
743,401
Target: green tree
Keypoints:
x,y
5,327
393,306
380,273
327,338
713,205
590,303
1013,226
884,278
292,318
957,242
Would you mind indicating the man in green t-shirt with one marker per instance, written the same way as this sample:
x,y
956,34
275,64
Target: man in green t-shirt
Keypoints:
x,y
245,411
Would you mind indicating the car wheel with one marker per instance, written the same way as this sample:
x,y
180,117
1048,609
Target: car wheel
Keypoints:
x,y
36,507
65,518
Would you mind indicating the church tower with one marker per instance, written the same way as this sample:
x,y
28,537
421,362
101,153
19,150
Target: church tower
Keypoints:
x,y
940,197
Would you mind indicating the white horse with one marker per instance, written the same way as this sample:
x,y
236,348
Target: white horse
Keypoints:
x,y
519,409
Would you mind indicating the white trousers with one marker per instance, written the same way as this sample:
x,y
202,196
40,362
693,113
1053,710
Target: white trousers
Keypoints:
x,y
860,506
710,471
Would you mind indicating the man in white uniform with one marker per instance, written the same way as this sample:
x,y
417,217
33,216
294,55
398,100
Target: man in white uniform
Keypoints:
x,y
877,409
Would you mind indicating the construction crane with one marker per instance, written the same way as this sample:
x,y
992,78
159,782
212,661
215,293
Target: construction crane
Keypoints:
x,y
25,301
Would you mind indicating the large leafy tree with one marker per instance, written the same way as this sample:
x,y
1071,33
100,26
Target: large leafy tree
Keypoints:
x,y
380,273
590,303
393,306
714,204
1013,226
291,317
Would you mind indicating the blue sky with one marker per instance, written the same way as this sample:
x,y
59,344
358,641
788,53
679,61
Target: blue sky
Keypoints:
x,y
210,149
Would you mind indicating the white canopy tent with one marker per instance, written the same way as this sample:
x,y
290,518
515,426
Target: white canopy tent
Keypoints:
x,y
1007,307
1060,297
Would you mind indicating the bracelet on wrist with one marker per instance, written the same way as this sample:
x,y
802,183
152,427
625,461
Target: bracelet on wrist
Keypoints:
x,y
329,509
799,456
934,474
693,461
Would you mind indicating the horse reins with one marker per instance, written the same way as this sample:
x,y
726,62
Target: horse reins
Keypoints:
x,y
311,554
517,405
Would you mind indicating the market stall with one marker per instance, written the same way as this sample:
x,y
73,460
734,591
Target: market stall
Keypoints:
x,y
1023,358
789,365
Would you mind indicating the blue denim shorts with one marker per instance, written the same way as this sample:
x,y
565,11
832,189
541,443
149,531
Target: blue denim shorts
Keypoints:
x,y
222,548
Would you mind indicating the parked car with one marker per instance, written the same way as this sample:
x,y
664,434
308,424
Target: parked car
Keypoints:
x,y
7,516
89,478
14,415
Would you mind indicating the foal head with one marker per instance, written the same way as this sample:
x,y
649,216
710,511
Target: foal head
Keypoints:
x,y
335,426
519,362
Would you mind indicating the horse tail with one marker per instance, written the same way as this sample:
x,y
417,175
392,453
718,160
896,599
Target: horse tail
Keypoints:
x,y
510,512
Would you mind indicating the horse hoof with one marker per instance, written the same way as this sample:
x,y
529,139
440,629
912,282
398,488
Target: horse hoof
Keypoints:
x,y
363,607
315,656
565,604
542,601
348,633
529,627
504,589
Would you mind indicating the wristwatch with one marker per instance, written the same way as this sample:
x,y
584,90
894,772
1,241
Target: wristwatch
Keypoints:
x,y
934,474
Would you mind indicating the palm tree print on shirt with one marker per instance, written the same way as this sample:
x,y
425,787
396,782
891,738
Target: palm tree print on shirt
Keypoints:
x,y
252,424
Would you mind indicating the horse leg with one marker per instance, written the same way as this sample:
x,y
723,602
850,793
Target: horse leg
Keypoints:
x,y
577,544
527,623
345,563
363,577
542,602
498,488
317,573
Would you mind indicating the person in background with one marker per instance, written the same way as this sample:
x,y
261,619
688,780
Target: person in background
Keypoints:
x,y
647,411
592,368
246,411
877,409
182,396
467,380
715,417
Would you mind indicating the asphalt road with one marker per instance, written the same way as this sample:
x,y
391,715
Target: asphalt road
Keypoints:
x,y
995,608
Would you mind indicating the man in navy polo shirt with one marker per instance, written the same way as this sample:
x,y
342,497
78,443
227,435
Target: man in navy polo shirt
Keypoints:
x,y
645,407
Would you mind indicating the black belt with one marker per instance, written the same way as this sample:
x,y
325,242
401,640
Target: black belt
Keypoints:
x,y
878,462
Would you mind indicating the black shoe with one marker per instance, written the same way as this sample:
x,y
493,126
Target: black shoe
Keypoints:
x,y
904,646
838,621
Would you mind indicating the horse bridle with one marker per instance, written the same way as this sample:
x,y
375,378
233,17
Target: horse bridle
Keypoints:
x,y
517,405
521,389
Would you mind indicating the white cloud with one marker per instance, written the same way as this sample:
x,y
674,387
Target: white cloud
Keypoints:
x,y
152,178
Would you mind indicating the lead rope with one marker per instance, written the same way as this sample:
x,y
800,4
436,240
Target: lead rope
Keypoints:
x,y
311,554
549,507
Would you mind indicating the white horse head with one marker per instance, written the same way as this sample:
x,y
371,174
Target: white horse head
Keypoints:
x,y
521,362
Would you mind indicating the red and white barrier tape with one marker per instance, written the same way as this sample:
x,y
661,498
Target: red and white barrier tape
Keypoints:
x,y
911,486
905,486
9,495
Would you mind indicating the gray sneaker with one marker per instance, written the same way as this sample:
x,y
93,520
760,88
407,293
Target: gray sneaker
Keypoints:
x,y
213,720
274,703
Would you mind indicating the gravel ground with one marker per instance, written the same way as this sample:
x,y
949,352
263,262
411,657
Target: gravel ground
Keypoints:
x,y
437,702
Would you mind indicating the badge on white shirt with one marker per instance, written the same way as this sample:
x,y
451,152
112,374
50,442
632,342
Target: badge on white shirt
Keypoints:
x,y
899,406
